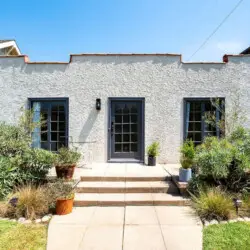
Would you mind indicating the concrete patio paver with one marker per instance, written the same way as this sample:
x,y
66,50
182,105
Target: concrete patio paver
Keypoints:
x,y
137,215
143,237
102,238
126,228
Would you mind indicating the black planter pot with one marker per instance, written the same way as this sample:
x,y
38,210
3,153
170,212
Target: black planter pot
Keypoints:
x,y
151,161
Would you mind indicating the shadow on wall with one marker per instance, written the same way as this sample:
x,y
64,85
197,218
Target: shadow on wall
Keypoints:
x,y
87,127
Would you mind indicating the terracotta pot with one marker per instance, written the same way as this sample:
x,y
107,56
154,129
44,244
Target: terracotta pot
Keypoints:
x,y
64,206
65,171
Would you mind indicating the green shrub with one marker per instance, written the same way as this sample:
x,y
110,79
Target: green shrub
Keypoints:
x,y
31,202
153,149
214,204
34,164
8,176
13,140
67,156
213,157
197,184
59,189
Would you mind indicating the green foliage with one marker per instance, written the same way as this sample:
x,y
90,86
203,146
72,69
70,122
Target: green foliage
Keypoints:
x,y
214,157
187,154
59,189
8,176
19,163
214,204
67,157
13,140
197,184
34,164
233,236
153,149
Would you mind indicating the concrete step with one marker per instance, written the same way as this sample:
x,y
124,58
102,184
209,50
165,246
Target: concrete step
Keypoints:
x,y
115,199
125,178
127,187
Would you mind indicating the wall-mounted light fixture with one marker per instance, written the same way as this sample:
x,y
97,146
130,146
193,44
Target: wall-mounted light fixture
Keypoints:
x,y
98,104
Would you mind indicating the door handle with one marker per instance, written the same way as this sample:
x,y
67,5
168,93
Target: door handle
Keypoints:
x,y
111,129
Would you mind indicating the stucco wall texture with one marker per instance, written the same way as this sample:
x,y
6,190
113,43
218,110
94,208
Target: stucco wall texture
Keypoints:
x,y
162,80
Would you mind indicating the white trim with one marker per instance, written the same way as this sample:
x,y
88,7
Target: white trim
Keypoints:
x,y
9,44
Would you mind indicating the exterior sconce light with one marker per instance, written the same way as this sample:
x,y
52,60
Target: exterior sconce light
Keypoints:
x,y
237,203
98,104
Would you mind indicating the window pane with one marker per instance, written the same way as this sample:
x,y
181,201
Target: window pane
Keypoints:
x,y
44,136
118,147
61,116
45,145
125,147
118,128
54,126
126,119
54,136
126,138
133,137
134,128
54,116
194,126
118,138
61,126
118,119
125,128
53,146
133,147
195,106
133,118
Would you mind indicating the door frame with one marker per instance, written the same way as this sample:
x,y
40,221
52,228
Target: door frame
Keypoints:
x,y
142,149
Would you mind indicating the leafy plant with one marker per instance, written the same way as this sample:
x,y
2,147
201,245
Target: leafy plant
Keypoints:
x,y
214,157
8,176
66,157
214,204
31,201
59,190
187,154
13,140
34,164
153,149
197,184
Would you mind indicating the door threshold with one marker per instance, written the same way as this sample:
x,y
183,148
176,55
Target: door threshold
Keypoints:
x,y
125,161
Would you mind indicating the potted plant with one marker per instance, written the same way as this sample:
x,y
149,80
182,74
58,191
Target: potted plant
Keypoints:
x,y
153,151
65,162
61,196
187,160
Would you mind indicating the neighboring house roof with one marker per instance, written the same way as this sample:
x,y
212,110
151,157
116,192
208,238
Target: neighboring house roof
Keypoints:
x,y
9,47
246,51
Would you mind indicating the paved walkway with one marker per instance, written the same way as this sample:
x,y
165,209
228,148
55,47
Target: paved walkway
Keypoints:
x,y
126,228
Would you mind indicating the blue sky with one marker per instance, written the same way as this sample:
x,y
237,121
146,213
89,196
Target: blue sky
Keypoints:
x,y
50,30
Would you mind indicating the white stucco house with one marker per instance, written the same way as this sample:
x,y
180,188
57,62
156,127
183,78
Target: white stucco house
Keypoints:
x,y
112,106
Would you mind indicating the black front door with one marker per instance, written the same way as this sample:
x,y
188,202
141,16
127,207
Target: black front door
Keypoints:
x,y
126,130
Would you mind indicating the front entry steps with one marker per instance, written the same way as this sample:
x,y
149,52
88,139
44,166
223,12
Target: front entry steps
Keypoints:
x,y
123,191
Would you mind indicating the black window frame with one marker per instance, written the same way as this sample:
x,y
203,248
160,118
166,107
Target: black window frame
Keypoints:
x,y
202,100
54,99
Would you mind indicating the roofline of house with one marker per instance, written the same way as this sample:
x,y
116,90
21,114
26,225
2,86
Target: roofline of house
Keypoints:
x,y
225,57
10,43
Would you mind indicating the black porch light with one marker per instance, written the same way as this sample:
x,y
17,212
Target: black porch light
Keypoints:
x,y
98,104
